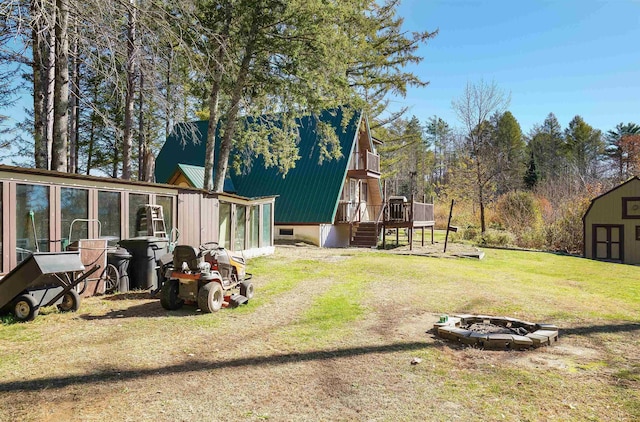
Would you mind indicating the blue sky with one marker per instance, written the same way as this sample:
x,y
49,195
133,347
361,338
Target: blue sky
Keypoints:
x,y
566,57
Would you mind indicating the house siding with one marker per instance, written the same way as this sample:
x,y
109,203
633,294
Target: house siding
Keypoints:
x,y
194,212
607,210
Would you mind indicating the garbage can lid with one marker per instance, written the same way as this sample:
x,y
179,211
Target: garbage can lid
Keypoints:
x,y
120,252
144,239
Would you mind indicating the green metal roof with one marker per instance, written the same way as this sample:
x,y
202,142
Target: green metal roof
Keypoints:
x,y
310,191
195,176
183,146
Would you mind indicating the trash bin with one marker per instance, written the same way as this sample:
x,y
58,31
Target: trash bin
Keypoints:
x,y
120,258
145,253
396,207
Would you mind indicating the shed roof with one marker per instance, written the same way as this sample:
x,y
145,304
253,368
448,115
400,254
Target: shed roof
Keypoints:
x,y
634,179
310,191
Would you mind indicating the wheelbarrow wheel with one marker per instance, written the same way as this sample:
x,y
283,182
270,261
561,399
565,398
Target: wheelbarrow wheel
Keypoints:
x,y
169,298
210,297
25,308
70,302
246,289
111,279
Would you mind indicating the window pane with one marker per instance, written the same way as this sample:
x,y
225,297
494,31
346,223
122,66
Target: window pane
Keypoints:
x,y
32,210
266,225
224,239
74,203
255,227
239,243
137,214
109,215
167,210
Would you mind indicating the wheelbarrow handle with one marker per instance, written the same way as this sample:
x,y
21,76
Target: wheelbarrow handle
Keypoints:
x,y
67,288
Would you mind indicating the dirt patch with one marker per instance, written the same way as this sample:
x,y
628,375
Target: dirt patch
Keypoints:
x,y
124,358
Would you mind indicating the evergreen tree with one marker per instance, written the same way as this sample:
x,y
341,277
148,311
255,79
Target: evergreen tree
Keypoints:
x,y
438,133
584,147
546,145
509,147
531,176
615,148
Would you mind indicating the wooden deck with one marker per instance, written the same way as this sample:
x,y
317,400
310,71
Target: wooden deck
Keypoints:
x,y
395,213
409,215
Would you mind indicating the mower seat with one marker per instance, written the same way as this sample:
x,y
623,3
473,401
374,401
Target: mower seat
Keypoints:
x,y
188,254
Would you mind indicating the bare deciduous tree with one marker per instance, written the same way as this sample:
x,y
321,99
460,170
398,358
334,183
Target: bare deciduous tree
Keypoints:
x,y
474,109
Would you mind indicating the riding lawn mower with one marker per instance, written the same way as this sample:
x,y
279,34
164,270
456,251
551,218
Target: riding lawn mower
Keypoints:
x,y
206,276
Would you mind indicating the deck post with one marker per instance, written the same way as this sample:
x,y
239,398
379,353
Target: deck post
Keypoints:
x,y
350,233
384,237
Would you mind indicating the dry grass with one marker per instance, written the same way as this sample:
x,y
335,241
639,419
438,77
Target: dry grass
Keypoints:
x,y
329,336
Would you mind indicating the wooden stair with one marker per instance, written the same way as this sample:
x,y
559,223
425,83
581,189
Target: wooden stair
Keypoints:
x,y
365,235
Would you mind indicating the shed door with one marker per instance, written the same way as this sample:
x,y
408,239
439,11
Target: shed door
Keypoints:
x,y
608,242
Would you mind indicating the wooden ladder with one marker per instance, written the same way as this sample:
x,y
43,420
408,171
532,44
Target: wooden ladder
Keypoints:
x,y
155,221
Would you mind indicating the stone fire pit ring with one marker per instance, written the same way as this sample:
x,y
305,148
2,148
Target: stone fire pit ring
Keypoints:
x,y
491,332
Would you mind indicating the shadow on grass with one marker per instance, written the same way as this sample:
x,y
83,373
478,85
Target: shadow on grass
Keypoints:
x,y
144,310
594,329
133,295
115,374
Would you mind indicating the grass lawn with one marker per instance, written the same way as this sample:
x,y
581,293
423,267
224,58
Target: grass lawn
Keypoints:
x,y
330,335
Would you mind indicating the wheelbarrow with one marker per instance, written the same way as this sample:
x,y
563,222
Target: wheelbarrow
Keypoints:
x,y
43,279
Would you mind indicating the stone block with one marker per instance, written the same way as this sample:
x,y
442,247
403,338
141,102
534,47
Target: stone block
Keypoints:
x,y
498,341
454,321
470,340
549,327
459,333
539,340
447,332
522,342
552,335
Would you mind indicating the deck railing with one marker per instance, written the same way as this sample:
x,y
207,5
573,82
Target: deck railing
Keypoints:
x,y
358,212
342,214
397,211
422,212
406,212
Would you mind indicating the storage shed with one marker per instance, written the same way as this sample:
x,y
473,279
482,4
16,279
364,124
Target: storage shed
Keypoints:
x,y
612,225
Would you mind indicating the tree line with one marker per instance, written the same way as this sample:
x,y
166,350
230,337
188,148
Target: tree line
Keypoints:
x,y
110,78
487,161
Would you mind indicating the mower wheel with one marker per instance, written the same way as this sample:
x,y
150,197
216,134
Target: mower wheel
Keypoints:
x,y
246,289
25,308
169,295
70,302
210,297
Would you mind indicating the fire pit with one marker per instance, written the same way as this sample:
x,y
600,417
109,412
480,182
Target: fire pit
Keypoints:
x,y
492,332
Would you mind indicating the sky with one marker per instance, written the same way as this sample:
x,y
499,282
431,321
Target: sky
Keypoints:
x,y
567,57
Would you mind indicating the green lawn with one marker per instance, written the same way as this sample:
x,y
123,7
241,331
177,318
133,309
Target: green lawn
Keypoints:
x,y
329,336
